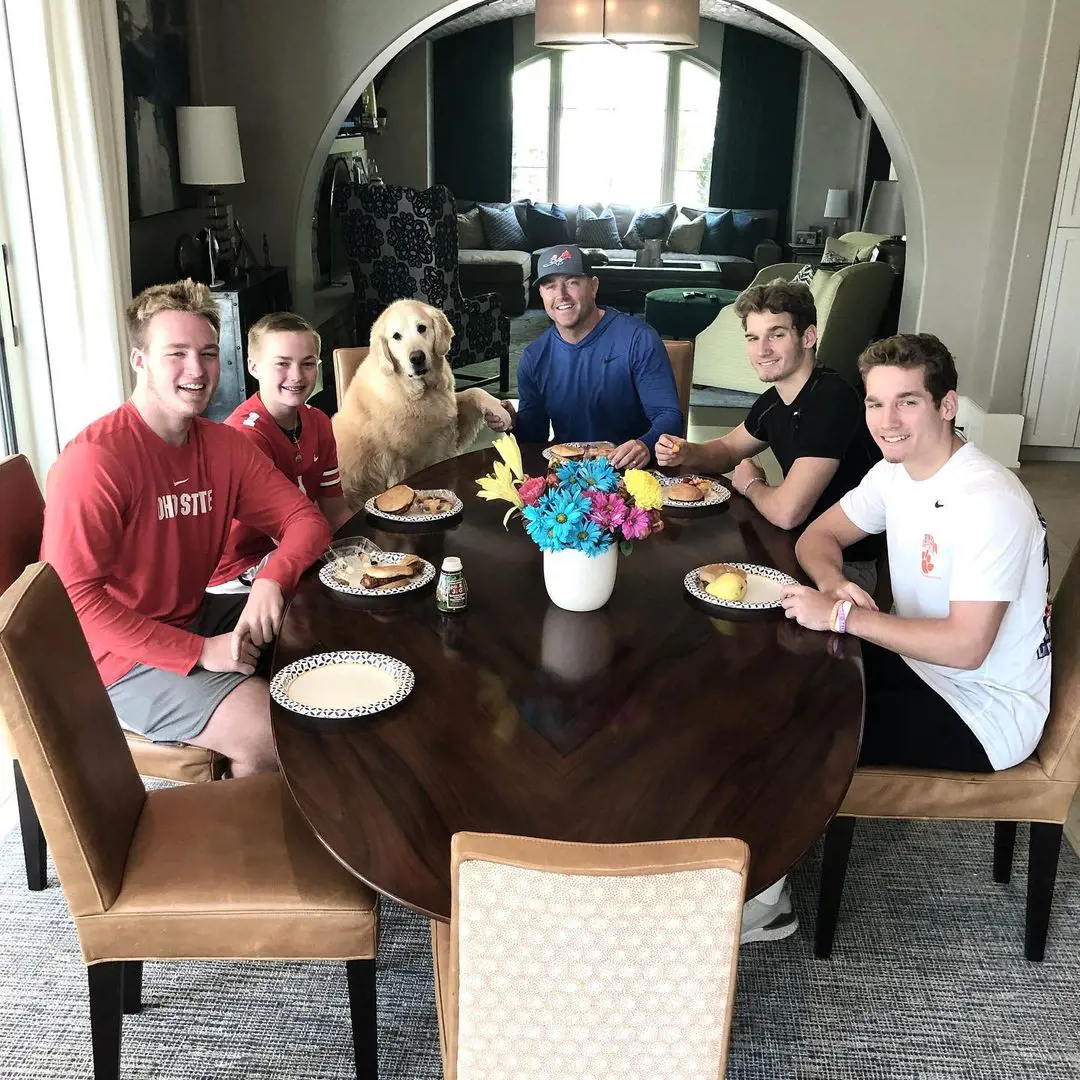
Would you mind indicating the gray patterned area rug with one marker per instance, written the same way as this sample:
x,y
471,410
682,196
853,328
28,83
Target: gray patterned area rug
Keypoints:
x,y
927,980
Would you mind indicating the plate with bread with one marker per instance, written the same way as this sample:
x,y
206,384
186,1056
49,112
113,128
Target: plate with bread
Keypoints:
x,y
403,503
360,573
738,585
577,451
340,685
692,491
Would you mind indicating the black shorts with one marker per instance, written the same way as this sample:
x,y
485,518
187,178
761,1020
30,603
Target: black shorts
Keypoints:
x,y
910,724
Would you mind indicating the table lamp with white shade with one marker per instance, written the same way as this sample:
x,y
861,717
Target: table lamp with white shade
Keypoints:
x,y
837,208
209,146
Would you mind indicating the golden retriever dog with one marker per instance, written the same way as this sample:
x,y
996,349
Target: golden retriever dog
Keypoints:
x,y
400,412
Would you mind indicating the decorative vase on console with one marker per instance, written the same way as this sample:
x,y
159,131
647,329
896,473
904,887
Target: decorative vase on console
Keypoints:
x,y
580,514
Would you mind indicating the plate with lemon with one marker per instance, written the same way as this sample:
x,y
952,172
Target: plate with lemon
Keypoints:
x,y
742,586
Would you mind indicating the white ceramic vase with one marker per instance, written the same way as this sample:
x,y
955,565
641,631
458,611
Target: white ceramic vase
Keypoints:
x,y
578,582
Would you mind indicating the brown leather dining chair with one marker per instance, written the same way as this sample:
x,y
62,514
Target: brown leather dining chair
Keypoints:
x,y
20,542
1038,791
226,871
555,954
681,355
346,361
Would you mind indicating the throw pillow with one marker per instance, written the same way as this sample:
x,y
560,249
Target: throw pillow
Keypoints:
x,y
597,230
748,229
804,276
819,283
686,234
653,223
470,231
717,236
502,230
545,227
838,253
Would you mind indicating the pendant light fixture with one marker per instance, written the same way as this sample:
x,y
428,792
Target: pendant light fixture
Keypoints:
x,y
655,24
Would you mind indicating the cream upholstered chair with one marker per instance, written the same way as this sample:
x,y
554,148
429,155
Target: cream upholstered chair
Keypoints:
x,y
20,542
681,355
346,361
1038,791
600,960
207,871
850,303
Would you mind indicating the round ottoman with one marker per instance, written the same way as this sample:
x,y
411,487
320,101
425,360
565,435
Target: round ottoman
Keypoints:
x,y
674,314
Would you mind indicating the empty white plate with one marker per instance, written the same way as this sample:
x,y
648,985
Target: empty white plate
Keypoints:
x,y
338,685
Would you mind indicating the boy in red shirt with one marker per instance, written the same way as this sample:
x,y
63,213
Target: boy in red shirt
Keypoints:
x,y
283,354
137,514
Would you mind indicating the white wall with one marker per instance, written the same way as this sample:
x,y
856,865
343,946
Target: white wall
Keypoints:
x,y
401,149
971,96
830,146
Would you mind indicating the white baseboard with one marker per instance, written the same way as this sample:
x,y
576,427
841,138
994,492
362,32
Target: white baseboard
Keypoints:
x,y
995,434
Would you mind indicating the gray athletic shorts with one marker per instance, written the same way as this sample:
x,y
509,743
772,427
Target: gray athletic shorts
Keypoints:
x,y
166,707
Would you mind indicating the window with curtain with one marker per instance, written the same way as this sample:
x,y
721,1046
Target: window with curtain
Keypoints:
x,y
605,124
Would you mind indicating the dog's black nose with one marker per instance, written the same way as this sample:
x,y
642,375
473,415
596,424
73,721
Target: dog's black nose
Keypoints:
x,y
418,359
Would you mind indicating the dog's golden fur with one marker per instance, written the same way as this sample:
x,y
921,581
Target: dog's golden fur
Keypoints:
x,y
400,412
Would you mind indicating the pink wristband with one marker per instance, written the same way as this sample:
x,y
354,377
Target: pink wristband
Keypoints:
x,y
753,480
842,612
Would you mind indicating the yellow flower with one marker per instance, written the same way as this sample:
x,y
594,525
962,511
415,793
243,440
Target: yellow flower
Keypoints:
x,y
501,486
510,452
644,489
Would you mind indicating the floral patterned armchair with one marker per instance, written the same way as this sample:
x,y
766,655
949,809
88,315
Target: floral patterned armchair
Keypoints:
x,y
402,245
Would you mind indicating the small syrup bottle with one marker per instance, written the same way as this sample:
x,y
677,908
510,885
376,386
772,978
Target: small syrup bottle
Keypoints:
x,y
451,594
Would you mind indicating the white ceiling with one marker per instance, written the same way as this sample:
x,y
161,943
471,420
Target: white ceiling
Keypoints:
x,y
719,10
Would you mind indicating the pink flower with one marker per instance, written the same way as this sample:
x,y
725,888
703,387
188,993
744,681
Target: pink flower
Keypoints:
x,y
637,524
609,511
531,490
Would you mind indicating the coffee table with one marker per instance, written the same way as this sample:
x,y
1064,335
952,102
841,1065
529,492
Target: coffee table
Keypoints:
x,y
650,719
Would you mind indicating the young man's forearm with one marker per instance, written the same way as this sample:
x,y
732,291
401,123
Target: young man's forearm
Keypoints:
x,y
775,505
935,641
711,456
821,556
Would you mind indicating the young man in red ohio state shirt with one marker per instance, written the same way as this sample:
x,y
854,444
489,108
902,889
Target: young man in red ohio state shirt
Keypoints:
x,y
283,354
138,510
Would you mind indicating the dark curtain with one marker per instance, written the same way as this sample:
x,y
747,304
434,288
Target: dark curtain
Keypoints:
x,y
755,124
473,111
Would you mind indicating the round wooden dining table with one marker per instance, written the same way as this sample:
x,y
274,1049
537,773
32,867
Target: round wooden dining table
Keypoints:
x,y
653,718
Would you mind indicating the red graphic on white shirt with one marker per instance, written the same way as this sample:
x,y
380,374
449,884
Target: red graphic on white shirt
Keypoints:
x,y
929,550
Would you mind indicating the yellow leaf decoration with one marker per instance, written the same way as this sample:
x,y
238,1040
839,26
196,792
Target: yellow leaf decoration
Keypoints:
x,y
644,488
508,449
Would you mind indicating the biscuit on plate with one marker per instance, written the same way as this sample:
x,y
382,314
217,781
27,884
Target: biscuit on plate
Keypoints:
x,y
395,501
685,492
567,453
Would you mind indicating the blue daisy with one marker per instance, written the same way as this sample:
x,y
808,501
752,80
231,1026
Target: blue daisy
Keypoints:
x,y
591,539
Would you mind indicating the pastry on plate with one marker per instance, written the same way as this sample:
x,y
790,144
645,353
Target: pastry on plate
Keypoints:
x,y
685,492
567,453
396,500
430,503
724,581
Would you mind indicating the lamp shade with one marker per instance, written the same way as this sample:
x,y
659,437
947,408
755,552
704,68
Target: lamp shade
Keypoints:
x,y
658,24
209,145
838,203
885,210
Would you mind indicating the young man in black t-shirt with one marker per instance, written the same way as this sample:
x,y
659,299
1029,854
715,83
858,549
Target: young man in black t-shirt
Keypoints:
x,y
811,417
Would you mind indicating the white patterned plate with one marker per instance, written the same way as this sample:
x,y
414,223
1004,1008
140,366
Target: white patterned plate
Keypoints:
x,y
715,496
548,455
455,507
328,576
338,685
763,585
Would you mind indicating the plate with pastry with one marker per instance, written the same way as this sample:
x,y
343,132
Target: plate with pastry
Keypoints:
x,y
403,503
340,685
738,585
385,573
692,491
577,451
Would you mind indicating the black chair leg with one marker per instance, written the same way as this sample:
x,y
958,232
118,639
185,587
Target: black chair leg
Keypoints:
x,y
132,986
33,839
1043,851
106,1017
1004,840
365,1028
504,373
833,871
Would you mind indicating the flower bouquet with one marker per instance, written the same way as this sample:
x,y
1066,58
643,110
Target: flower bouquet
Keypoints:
x,y
580,509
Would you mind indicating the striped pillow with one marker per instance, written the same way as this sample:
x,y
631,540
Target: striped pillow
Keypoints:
x,y
502,230
598,231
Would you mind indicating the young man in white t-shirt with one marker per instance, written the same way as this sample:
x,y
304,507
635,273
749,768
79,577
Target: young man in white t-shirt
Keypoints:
x,y
958,677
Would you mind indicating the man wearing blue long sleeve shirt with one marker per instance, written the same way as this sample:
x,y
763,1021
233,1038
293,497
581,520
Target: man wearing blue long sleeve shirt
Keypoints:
x,y
595,373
